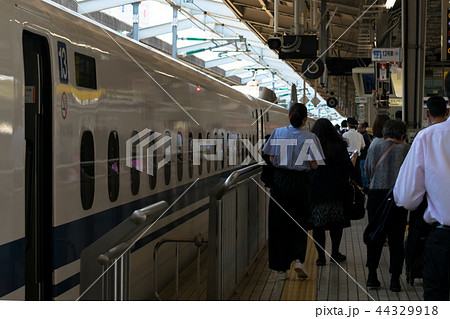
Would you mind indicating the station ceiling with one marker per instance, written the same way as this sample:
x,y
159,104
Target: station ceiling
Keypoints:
x,y
353,27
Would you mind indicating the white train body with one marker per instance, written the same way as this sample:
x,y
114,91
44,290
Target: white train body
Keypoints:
x,y
135,88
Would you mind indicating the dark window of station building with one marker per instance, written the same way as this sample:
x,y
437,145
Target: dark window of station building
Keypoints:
x,y
135,177
85,71
152,176
180,156
168,155
113,166
191,155
208,153
200,166
87,170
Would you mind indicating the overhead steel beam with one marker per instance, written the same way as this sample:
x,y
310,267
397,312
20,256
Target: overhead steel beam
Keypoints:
x,y
246,34
258,77
242,70
89,6
199,46
224,60
167,28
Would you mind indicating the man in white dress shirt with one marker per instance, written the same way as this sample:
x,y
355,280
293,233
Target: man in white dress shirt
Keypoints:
x,y
356,143
426,169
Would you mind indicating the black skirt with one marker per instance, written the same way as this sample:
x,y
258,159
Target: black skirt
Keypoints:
x,y
288,224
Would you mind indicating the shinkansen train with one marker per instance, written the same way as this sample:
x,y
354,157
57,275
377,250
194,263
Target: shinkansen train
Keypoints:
x,y
71,94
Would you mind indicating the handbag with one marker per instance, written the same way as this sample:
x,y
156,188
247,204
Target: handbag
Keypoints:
x,y
377,223
354,203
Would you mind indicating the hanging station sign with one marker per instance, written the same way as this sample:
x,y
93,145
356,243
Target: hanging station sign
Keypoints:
x,y
386,55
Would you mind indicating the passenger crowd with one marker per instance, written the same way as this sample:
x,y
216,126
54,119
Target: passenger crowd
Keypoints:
x,y
310,190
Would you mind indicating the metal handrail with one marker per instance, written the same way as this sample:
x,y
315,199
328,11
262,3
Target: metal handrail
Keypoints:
x,y
235,178
112,254
140,216
144,215
114,246
215,267
198,240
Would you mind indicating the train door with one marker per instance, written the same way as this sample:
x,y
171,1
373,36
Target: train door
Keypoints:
x,y
38,168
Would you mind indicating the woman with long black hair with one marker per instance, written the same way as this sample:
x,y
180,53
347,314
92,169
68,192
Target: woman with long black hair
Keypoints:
x,y
328,186
293,152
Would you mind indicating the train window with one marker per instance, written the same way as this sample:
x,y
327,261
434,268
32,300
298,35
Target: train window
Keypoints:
x,y
241,145
113,166
167,154
208,152
253,143
200,166
85,71
152,178
246,149
87,170
228,148
267,116
135,177
233,149
180,156
223,150
191,156
215,153
238,148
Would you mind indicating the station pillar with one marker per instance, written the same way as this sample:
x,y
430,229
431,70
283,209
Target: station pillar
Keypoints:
x,y
414,15
175,31
136,20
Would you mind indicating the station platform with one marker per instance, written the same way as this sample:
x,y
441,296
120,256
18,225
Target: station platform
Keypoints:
x,y
327,283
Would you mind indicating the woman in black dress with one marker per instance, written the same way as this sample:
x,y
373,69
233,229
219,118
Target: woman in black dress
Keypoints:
x,y
328,191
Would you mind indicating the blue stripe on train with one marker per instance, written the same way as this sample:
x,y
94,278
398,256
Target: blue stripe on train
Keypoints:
x,y
71,238
12,266
73,281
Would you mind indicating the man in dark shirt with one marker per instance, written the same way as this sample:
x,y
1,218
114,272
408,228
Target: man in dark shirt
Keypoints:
x,y
365,134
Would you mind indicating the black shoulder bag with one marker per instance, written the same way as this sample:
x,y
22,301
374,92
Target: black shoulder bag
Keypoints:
x,y
376,225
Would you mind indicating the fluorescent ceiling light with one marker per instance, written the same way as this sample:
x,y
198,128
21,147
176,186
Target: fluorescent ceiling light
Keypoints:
x,y
390,4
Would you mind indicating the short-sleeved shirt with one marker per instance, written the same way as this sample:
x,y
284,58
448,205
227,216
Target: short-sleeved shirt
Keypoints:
x,y
355,141
294,148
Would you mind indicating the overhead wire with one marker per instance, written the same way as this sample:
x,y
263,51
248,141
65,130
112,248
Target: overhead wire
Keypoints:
x,y
277,73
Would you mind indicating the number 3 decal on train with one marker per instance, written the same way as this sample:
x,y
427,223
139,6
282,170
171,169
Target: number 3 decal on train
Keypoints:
x,y
63,65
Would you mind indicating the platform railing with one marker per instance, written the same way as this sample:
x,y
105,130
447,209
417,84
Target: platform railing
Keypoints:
x,y
198,241
237,230
108,258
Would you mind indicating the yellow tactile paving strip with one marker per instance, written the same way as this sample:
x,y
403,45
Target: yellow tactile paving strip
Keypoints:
x,y
303,290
